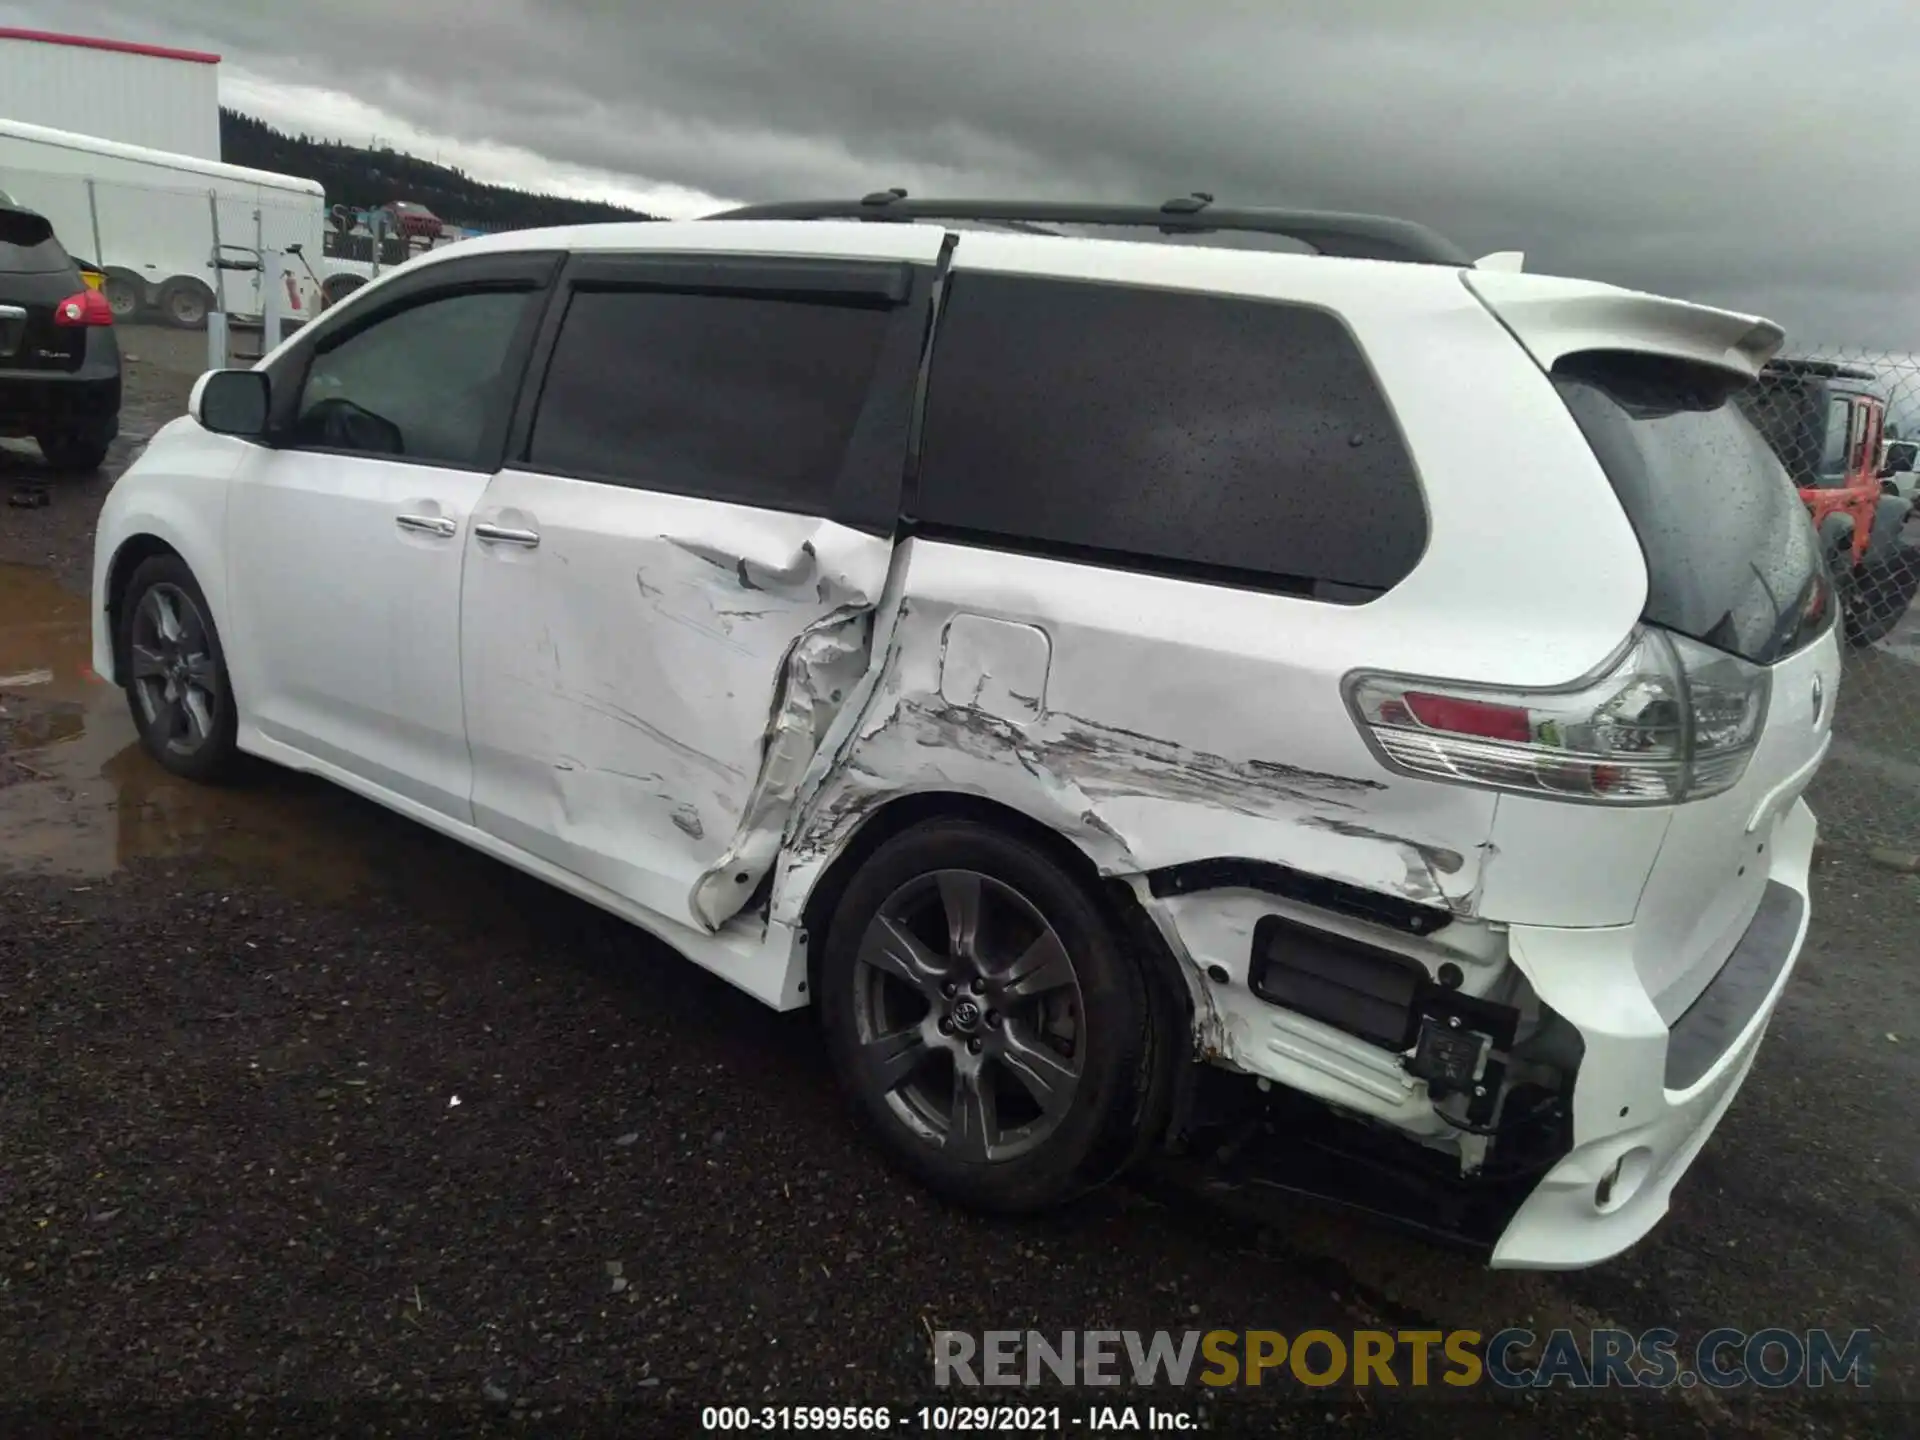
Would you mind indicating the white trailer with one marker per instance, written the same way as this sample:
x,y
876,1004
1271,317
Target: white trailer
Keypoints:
x,y
152,95
151,220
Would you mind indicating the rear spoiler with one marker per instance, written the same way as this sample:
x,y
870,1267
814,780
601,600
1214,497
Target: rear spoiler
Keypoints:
x,y
1554,318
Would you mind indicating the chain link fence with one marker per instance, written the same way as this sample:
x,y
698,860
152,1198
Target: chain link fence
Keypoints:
x,y
1846,424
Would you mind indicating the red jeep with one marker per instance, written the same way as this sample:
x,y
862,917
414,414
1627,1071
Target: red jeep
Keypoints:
x,y
1824,420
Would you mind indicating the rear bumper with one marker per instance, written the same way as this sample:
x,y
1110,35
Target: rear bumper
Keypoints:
x,y
84,399
1648,1097
1571,1191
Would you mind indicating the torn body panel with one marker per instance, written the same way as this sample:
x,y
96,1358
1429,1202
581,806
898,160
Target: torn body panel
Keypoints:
x,y
642,687
822,666
1257,1037
1101,717
1150,758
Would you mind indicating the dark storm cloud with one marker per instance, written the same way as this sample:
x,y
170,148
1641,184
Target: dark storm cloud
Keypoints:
x,y
1755,154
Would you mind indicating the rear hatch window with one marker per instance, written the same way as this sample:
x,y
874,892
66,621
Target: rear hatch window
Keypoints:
x,y
1731,556
28,246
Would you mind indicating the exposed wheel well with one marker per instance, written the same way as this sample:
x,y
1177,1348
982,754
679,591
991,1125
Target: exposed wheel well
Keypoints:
x,y
128,558
1167,984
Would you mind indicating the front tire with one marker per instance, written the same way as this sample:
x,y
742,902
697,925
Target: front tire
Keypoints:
x,y
176,673
985,1020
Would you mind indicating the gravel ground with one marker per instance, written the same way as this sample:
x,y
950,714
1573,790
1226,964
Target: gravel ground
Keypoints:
x,y
234,1175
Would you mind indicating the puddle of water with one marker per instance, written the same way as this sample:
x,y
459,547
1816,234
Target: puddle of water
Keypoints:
x,y
80,797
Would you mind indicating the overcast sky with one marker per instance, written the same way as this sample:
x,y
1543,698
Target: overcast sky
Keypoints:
x,y
1763,154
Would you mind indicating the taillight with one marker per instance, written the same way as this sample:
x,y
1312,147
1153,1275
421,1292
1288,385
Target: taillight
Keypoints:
x,y
89,307
1673,720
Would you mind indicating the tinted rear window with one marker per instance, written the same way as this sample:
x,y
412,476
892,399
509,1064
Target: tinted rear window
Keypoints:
x,y
1731,555
27,245
1190,434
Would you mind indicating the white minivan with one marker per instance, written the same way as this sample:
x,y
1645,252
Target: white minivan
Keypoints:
x,y
1138,691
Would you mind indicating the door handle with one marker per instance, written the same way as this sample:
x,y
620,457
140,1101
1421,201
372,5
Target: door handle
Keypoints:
x,y
428,524
504,535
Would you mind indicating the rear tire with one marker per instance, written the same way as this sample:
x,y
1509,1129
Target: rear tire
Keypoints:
x,y
985,1020
174,671
186,304
74,452
1881,595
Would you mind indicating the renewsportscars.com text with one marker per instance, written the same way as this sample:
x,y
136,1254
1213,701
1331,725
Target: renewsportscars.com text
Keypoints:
x,y
1508,1359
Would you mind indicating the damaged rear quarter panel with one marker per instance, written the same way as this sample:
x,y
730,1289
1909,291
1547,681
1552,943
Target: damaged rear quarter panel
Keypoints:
x,y
1155,744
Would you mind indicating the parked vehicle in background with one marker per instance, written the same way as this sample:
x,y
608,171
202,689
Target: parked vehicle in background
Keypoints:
x,y
59,359
146,218
361,244
1900,468
1825,421
415,221
1088,671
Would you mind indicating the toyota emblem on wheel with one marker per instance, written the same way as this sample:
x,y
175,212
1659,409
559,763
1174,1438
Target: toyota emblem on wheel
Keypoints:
x,y
966,1015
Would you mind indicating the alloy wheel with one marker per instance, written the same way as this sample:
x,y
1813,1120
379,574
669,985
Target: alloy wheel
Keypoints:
x,y
969,1015
175,678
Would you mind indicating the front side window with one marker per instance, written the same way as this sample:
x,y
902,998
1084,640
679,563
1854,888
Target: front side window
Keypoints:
x,y
430,382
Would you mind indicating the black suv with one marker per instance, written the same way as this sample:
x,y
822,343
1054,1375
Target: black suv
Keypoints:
x,y
59,360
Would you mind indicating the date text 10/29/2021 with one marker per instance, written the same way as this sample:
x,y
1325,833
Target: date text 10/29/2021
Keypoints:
x,y
950,1419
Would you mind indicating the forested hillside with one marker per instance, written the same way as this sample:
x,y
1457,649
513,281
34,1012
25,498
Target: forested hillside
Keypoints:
x,y
365,179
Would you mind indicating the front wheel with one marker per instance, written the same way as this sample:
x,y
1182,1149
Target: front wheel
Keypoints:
x,y
985,1020
176,673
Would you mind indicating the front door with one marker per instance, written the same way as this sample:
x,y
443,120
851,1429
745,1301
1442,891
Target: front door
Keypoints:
x,y
347,535
670,586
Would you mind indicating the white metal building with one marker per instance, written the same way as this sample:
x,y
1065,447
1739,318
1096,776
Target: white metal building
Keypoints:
x,y
146,95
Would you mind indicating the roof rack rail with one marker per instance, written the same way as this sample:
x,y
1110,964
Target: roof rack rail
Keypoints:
x,y
1360,237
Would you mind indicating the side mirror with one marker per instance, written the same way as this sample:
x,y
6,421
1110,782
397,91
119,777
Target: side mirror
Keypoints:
x,y
231,402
